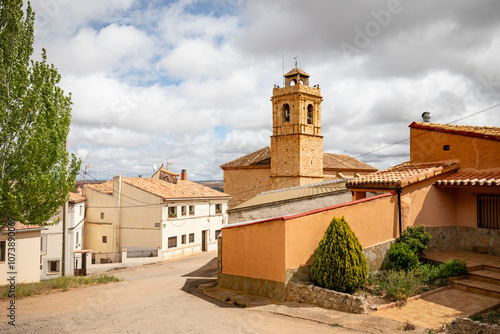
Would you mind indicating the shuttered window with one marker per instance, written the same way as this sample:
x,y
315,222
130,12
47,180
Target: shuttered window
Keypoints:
x,y
488,211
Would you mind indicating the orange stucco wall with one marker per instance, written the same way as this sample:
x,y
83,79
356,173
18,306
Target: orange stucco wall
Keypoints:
x,y
266,249
255,250
373,221
471,152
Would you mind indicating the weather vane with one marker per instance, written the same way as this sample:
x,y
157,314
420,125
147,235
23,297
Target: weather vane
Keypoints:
x,y
295,60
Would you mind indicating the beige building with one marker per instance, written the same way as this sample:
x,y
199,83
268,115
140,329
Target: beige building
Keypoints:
x,y
51,242
26,256
296,156
163,214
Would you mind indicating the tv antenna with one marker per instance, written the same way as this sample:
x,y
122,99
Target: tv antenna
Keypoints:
x,y
296,57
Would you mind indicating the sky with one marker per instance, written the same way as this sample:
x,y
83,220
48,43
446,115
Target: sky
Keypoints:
x,y
189,82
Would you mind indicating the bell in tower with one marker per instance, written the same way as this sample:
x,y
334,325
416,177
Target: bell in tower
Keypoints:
x,y
296,143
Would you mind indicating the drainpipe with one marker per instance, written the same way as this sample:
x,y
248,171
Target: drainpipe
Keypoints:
x,y
399,209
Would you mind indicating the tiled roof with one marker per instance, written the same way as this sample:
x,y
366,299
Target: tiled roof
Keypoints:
x,y
485,132
183,189
296,71
403,175
288,194
262,157
105,187
75,198
472,178
24,228
342,161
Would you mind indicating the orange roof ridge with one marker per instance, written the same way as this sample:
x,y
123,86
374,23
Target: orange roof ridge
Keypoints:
x,y
484,132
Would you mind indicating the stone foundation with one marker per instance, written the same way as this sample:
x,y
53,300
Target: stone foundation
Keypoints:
x,y
310,294
266,288
481,240
377,255
466,326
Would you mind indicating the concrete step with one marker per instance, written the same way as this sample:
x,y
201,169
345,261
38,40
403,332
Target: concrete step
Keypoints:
x,y
477,287
490,268
486,276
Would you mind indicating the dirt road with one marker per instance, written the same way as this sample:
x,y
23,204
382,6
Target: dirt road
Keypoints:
x,y
153,299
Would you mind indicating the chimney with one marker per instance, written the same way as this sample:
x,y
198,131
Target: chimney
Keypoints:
x,y
184,175
426,117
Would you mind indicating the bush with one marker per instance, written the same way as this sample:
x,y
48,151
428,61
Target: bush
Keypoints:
x,y
428,273
401,257
339,263
452,268
400,285
416,237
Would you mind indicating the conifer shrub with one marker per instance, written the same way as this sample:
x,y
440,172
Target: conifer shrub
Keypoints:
x,y
339,263
401,257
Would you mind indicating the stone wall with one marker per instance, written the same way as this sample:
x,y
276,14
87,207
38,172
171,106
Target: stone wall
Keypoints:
x,y
310,294
481,240
262,287
376,255
466,326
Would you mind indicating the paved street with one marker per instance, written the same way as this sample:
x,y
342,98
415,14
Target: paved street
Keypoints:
x,y
153,299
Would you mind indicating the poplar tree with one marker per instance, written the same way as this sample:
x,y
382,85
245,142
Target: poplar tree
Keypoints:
x,y
36,171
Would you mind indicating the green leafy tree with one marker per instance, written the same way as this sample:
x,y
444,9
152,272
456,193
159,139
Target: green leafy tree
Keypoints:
x,y
339,263
36,172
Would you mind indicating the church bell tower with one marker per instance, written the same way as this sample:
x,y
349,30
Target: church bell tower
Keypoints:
x,y
296,143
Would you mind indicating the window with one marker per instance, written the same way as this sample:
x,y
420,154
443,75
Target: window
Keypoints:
x,y
286,113
217,233
183,239
102,215
191,237
172,242
43,243
81,210
104,239
183,210
172,212
2,251
191,210
53,266
310,114
218,208
488,211
77,239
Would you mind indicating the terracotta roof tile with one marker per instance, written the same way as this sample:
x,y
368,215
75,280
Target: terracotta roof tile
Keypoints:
x,y
334,161
105,187
485,132
75,198
23,228
403,175
164,170
487,178
182,189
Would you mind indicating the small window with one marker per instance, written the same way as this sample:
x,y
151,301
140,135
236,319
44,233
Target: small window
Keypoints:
x,y
183,210
2,251
102,215
191,210
286,113
81,210
183,239
191,237
310,114
218,208
172,242
488,211
77,239
172,212
43,243
104,239
217,233
53,266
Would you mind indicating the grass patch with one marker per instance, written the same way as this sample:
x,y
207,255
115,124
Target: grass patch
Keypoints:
x,y
62,283
492,317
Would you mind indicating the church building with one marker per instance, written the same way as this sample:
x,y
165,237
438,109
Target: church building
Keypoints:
x,y
295,157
